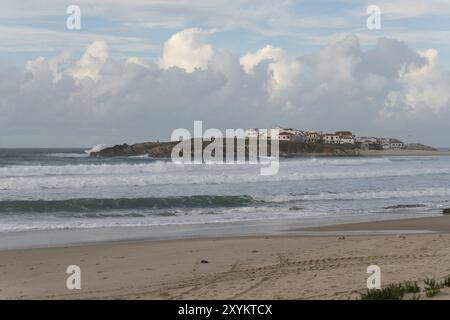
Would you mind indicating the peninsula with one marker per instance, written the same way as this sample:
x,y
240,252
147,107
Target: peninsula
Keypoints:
x,y
292,143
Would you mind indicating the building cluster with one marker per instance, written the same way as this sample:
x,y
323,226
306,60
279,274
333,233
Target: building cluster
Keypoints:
x,y
338,137
374,143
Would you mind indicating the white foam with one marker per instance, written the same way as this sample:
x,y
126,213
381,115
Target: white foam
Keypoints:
x,y
69,155
344,161
374,195
86,169
191,217
158,173
97,148
143,156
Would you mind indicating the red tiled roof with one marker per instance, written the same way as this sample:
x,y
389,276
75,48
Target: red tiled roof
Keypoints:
x,y
285,134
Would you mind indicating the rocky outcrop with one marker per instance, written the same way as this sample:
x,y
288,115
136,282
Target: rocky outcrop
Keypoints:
x,y
446,211
287,149
152,149
122,150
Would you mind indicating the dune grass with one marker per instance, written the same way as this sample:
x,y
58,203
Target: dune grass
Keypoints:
x,y
398,291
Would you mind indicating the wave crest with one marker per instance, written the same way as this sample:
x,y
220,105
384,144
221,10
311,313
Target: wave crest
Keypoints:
x,y
99,205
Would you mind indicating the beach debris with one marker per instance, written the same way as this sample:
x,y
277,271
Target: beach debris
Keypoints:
x,y
204,261
446,211
401,236
341,238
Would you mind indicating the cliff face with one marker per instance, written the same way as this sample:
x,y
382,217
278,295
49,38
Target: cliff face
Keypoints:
x,y
287,149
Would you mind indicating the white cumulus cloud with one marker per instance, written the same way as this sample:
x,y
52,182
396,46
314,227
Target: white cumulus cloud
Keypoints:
x,y
92,61
250,60
188,50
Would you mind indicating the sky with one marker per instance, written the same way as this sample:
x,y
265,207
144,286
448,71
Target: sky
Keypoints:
x,y
136,70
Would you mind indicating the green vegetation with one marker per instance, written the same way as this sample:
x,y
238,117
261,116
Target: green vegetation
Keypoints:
x,y
391,292
398,291
446,282
298,148
286,148
411,287
432,287
415,297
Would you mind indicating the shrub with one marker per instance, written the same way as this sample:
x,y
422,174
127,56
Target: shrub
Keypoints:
x,y
411,287
446,282
415,296
432,287
391,292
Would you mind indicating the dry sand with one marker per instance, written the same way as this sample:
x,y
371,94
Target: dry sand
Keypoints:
x,y
284,267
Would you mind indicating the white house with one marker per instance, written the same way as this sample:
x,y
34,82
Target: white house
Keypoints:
x,y
395,144
340,137
346,140
346,137
368,142
331,138
391,143
286,136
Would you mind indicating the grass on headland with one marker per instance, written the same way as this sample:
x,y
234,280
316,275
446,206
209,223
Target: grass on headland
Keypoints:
x,y
398,291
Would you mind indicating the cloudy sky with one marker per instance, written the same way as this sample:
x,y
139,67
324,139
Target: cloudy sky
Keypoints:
x,y
138,69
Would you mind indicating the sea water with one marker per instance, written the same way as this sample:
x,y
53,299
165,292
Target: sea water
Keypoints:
x,y
50,189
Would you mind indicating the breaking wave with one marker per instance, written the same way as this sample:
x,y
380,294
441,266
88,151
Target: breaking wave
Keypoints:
x,y
97,148
99,205
167,173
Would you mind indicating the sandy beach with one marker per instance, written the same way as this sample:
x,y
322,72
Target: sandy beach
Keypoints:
x,y
277,267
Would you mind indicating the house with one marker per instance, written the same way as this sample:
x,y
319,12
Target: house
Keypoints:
x,y
385,145
390,143
285,136
366,140
313,136
396,144
345,137
370,143
331,138
340,137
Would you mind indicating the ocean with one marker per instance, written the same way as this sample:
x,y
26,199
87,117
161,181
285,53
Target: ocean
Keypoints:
x,y
52,189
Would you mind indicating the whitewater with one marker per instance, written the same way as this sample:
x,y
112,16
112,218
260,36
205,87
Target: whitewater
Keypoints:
x,y
48,189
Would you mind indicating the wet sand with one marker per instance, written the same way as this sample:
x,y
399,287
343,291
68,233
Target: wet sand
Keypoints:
x,y
432,224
